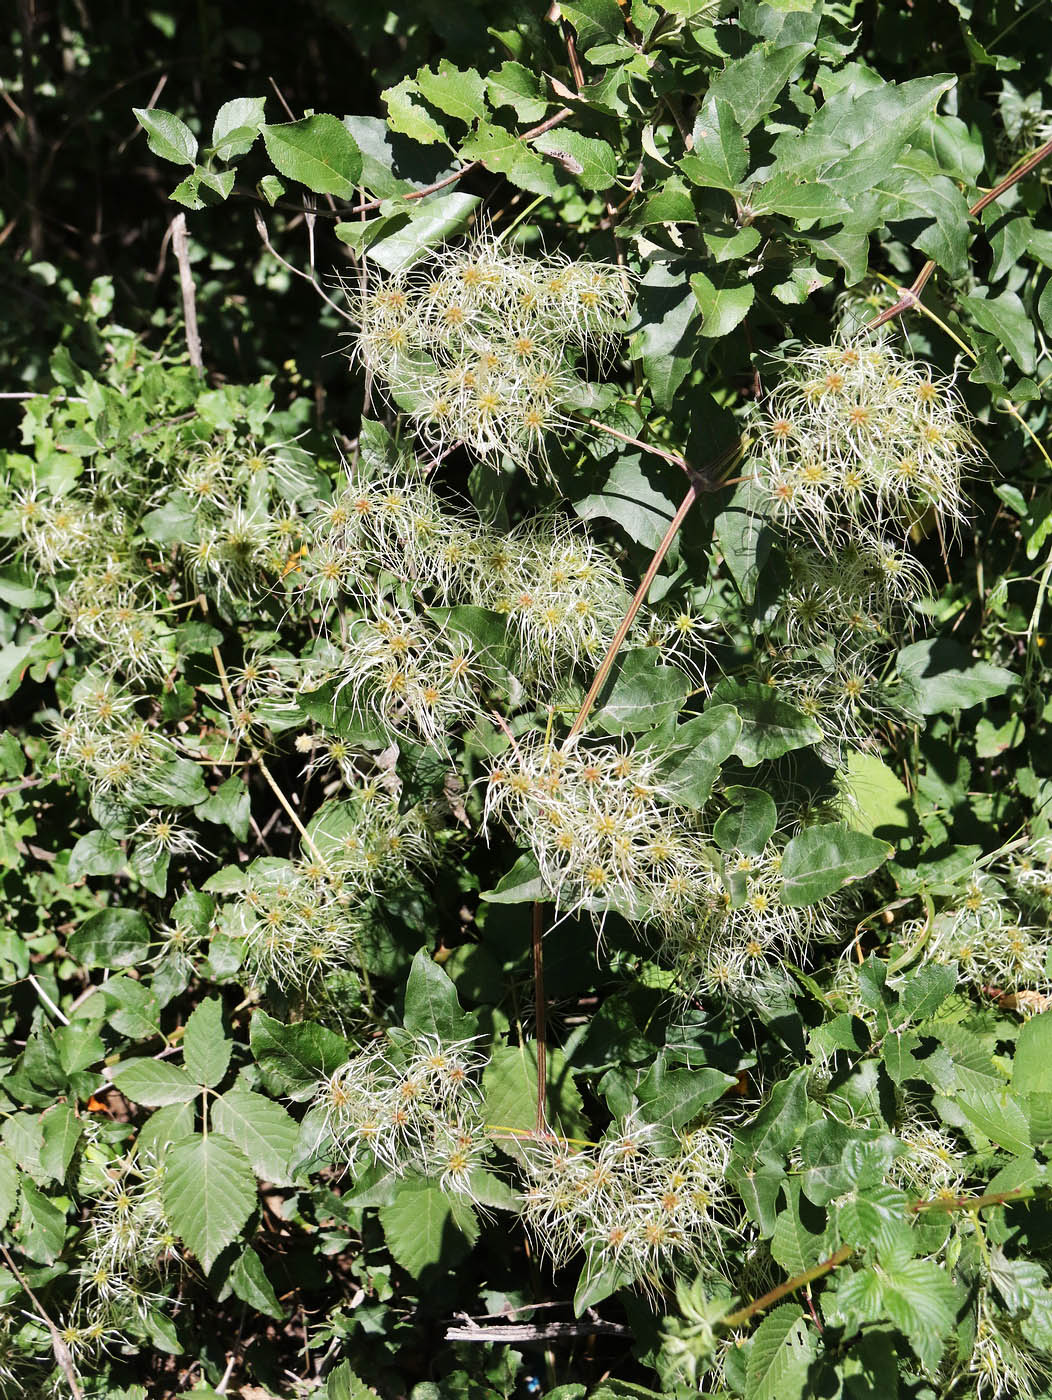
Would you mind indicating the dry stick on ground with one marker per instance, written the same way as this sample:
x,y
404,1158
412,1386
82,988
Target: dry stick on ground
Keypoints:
x,y
58,1346
186,287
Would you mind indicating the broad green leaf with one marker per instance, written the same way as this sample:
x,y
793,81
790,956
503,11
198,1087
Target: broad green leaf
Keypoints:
x,y
94,854
779,1124
8,1186
942,676
696,750
793,1245
642,694
722,306
770,726
1000,1117
229,806
167,136
509,1087
595,21
206,1048
249,1282
743,536
628,497
822,859
673,1098
521,885
458,92
62,1130
208,1191
876,799
178,782
1032,1063
317,151
588,159
111,938
407,115
1006,317
751,85
719,156
780,1357
784,195
292,1059
236,126
343,1384
432,1007
919,1297
154,1082
661,329
855,138
42,1225
873,1219
513,85
430,222
749,823
422,1229
504,153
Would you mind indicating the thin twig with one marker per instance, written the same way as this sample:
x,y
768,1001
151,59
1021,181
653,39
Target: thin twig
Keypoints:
x,y
630,616
910,297
540,1016
261,229
735,1319
58,1346
186,287
46,999
370,204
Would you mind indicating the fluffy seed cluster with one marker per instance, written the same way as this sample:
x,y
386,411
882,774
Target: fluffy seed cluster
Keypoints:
x,y
299,921
412,1106
859,436
130,1247
478,343
102,739
603,829
632,1207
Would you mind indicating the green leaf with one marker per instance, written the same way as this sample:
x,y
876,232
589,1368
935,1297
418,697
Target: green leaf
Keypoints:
x,y
628,497
784,195
780,1357
263,1129
743,536
249,1282
999,1117
504,153
719,157
206,1048
167,136
642,693
458,92
942,676
509,1087
293,1058
751,85
343,1384
1032,1064
94,854
750,822
595,21
406,115
229,806
822,859
920,1298
876,799
236,126
317,151
874,1218
513,85
588,159
722,307
779,1125
1006,317
154,1082
521,885
793,1245
8,1186
673,1098
208,1192
421,1229
430,222
431,1003
111,938
41,1226
696,750
62,1130
666,309
770,726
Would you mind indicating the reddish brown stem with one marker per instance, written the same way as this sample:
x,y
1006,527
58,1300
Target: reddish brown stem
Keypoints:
x,y
539,130
735,1319
630,615
540,1014
910,297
